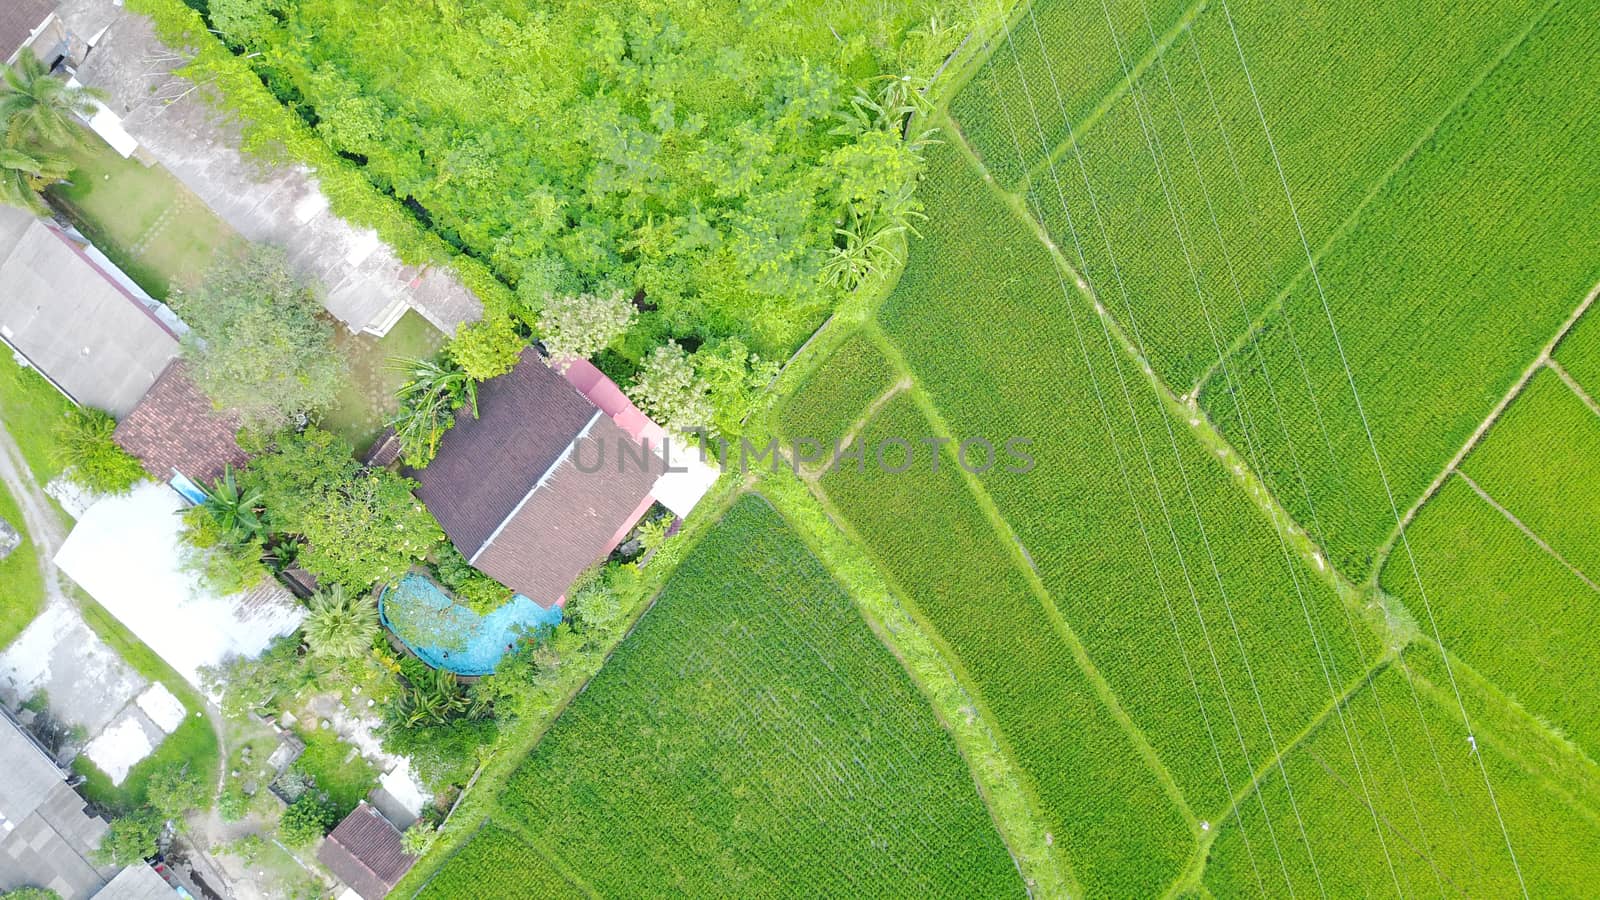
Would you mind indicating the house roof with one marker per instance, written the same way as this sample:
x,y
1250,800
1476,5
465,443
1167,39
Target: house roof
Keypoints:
x,y
176,428
137,882
64,314
48,836
364,852
508,489
18,19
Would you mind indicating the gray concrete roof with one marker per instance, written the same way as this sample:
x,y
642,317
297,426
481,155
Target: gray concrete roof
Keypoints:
x,y
73,323
46,836
137,882
367,285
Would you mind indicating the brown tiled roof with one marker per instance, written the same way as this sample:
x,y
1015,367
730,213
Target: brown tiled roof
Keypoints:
x,y
176,427
485,465
508,492
18,19
364,851
573,517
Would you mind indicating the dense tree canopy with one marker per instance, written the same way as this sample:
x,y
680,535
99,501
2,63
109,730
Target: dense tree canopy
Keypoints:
x,y
705,153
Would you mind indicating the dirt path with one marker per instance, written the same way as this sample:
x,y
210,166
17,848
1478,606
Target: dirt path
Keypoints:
x,y
39,518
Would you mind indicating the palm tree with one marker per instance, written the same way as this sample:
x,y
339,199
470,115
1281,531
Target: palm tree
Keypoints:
x,y
340,626
24,175
236,509
429,398
37,107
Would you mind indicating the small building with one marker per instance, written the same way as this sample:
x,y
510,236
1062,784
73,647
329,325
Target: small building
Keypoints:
x,y
178,434
539,486
75,321
364,852
47,838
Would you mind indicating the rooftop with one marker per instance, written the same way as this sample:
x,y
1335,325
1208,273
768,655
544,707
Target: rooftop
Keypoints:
x,y
46,836
176,428
18,19
364,851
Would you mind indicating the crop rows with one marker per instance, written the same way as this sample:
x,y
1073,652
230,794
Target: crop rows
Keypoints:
x,y
1107,480
496,865
1346,92
1506,607
752,738
1579,353
1440,833
837,393
1541,461
1120,833
1079,51
1438,312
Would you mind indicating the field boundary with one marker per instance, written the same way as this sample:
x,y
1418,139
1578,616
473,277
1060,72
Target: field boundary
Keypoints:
x,y
1562,373
1381,556
1510,517
1348,225
1011,803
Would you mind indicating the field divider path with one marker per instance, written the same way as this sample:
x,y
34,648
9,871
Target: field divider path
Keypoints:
x,y
1542,360
1012,803
1564,375
1532,535
1024,564
1344,228
1124,87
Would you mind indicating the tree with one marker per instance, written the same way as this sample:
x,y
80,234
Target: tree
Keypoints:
x,y
361,526
670,391
418,838
24,175
132,838
488,348
237,510
259,344
733,376
339,625
174,791
307,819
433,392
577,326
225,560
84,444
38,108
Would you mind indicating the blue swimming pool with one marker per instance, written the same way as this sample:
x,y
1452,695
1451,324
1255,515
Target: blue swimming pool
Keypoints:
x,y
447,635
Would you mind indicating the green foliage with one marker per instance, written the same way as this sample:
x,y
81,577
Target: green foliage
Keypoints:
x,y
733,376
335,770
470,587
260,345
83,443
131,839
236,510
434,391
233,804
850,716
836,394
308,818
260,685
361,526
175,790
418,838
488,348
37,108
577,326
671,392
24,174
340,625
30,893
1579,353
225,561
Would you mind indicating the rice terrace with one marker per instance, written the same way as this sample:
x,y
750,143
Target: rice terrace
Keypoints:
x,y
1175,430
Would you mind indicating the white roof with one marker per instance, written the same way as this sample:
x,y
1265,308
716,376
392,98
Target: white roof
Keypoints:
x,y
677,490
125,551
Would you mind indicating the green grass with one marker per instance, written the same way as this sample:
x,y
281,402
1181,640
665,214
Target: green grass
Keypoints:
x,y
1579,353
365,402
496,865
149,224
825,406
1119,831
1506,607
752,737
21,582
1440,831
338,768
193,744
31,407
1541,461
1455,276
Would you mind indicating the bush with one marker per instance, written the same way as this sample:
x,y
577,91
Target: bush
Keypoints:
x,y
132,838
307,819
234,804
174,791
84,445
577,326
489,348
226,563
470,587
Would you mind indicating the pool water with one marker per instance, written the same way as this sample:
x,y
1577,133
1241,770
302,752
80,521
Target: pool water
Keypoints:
x,y
447,635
